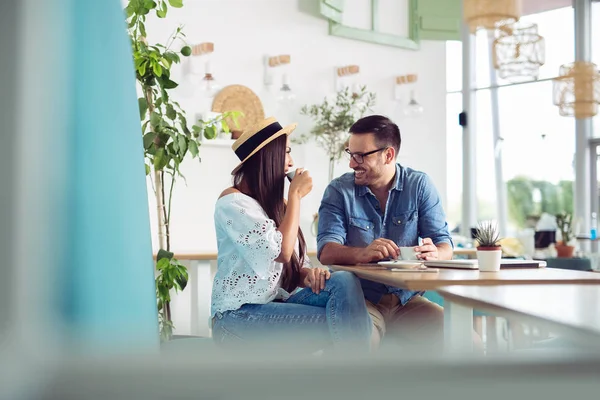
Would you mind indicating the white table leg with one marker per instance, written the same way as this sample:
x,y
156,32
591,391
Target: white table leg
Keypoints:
x,y
458,328
193,287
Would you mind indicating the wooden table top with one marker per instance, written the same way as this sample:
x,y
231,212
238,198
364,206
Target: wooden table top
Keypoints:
x,y
572,306
213,256
445,277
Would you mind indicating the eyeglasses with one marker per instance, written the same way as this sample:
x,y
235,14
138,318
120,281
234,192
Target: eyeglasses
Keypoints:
x,y
360,157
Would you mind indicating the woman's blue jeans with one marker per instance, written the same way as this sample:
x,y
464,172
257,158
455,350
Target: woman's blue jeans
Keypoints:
x,y
306,321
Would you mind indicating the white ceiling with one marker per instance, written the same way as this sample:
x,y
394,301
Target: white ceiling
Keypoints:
x,y
536,6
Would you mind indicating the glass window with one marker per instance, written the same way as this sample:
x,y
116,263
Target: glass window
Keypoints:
x,y
537,144
538,147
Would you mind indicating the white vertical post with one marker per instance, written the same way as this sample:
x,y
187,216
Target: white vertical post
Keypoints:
x,y
501,203
194,308
458,328
469,195
594,201
583,127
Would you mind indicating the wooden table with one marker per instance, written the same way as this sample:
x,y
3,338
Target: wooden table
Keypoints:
x,y
571,309
458,318
446,277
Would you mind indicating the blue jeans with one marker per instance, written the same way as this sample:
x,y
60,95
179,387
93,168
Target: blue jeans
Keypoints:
x,y
306,321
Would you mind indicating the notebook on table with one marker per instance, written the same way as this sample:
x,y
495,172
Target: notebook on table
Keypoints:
x,y
505,263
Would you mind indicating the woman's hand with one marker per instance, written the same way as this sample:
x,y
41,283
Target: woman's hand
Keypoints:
x,y
302,183
315,278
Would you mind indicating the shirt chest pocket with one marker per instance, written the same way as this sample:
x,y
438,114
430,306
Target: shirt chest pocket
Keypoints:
x,y
405,228
361,232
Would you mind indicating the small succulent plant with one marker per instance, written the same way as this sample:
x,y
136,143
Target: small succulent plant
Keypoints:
x,y
564,221
487,234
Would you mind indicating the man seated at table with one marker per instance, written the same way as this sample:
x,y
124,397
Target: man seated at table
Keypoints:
x,y
366,215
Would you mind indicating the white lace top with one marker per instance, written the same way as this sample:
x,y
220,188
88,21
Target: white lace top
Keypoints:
x,y
248,243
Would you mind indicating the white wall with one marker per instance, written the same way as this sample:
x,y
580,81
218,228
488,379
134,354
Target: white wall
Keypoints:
x,y
243,33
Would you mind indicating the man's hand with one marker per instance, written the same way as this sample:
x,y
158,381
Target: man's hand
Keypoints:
x,y
315,278
428,250
378,250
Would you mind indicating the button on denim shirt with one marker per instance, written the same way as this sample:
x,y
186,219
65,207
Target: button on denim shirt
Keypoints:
x,y
351,215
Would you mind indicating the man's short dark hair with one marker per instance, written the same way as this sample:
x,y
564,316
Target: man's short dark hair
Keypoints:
x,y
385,130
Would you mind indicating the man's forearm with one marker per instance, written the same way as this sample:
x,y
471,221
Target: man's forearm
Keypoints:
x,y
445,251
335,253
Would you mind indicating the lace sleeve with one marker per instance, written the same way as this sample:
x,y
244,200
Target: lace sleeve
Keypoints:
x,y
248,227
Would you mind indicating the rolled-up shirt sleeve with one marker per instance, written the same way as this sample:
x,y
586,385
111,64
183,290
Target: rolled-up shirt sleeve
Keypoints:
x,y
332,219
432,219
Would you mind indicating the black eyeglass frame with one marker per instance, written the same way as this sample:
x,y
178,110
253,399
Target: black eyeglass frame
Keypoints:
x,y
363,155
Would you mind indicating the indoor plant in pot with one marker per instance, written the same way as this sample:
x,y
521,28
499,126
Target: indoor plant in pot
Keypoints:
x,y
489,251
166,136
564,221
332,120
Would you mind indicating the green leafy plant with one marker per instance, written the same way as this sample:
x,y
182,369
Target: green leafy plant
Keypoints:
x,y
487,234
333,119
167,138
564,221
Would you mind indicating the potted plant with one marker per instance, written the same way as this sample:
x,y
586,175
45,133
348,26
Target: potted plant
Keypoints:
x,y
489,251
564,222
167,138
333,119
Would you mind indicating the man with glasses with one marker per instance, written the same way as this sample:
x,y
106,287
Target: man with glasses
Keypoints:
x,y
365,216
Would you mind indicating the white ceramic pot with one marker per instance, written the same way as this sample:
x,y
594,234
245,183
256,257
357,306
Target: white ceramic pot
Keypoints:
x,y
489,260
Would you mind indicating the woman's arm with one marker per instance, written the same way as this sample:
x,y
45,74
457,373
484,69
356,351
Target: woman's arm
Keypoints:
x,y
289,227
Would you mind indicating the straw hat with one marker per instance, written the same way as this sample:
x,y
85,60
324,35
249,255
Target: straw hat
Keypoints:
x,y
256,137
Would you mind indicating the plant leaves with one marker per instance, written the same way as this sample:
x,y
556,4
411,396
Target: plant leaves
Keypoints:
x,y
173,57
169,84
210,132
193,148
171,114
162,263
181,281
149,139
161,159
224,126
155,119
143,106
182,145
162,13
147,169
176,3
156,68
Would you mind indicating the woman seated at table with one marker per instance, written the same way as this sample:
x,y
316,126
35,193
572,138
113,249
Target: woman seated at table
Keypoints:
x,y
262,259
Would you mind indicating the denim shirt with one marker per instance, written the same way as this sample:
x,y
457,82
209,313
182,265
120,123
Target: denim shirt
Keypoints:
x,y
351,215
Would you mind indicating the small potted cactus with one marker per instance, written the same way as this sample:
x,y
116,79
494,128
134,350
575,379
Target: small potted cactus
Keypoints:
x,y
489,251
564,249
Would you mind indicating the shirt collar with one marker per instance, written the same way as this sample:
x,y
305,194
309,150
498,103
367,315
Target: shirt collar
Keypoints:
x,y
398,182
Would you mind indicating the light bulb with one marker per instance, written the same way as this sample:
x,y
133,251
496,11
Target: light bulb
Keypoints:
x,y
286,96
208,85
413,108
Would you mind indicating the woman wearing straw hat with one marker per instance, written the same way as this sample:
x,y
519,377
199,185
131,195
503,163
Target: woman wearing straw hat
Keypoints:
x,y
265,290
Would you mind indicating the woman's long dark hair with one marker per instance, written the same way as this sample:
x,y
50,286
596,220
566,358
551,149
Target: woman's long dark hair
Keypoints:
x,y
264,178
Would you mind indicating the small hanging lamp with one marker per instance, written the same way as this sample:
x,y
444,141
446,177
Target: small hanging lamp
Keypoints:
x,y
489,14
576,90
518,52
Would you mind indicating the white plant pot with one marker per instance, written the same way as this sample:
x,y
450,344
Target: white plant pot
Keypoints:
x,y
489,260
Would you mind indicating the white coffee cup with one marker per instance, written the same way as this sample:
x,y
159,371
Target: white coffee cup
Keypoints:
x,y
408,253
